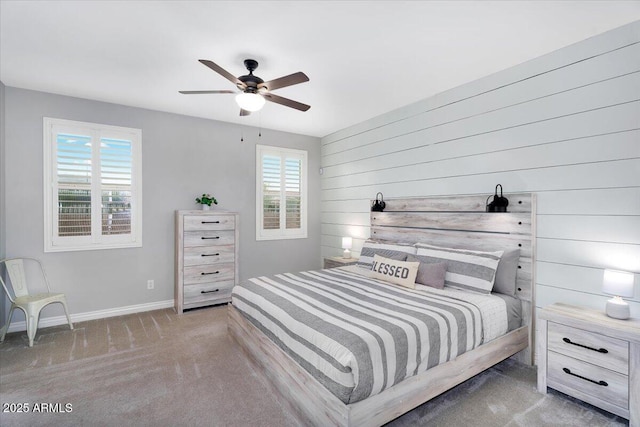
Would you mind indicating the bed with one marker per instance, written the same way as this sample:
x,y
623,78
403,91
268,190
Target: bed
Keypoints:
x,y
418,364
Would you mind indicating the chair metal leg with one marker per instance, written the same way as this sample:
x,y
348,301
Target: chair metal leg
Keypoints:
x,y
32,326
5,328
66,311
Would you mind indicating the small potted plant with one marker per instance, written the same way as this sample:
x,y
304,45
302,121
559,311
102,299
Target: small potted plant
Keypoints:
x,y
205,201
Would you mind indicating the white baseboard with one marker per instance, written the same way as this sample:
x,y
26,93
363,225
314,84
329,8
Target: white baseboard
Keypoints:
x,y
92,315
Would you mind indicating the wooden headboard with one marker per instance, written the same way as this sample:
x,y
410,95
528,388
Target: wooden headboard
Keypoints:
x,y
461,222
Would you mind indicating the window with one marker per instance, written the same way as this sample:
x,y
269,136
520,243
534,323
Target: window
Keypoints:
x,y
281,193
92,186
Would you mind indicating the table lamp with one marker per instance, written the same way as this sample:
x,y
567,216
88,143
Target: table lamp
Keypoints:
x,y
347,243
619,284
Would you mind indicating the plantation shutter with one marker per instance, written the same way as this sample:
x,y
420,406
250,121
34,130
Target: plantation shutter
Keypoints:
x,y
292,192
271,179
281,193
93,186
73,181
116,170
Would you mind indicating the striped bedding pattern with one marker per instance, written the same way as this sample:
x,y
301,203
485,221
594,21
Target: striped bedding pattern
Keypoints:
x,y
466,269
397,251
358,335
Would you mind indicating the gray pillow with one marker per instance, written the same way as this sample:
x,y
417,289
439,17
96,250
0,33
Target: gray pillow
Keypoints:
x,y
506,273
430,274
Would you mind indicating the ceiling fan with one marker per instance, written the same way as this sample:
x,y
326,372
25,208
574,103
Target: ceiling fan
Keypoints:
x,y
254,90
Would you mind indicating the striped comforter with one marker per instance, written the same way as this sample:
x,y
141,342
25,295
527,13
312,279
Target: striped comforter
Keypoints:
x,y
358,335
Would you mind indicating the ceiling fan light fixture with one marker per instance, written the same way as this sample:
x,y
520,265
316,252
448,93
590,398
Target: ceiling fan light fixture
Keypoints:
x,y
250,101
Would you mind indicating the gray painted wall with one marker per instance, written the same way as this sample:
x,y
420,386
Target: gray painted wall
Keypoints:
x,y
182,158
3,216
565,126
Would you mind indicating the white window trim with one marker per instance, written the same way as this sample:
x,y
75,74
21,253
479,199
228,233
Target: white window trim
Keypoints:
x,y
281,233
53,243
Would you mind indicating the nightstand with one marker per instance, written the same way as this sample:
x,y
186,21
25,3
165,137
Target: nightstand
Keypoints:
x,y
337,261
586,354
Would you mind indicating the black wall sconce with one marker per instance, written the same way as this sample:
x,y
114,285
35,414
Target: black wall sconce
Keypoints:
x,y
378,205
499,203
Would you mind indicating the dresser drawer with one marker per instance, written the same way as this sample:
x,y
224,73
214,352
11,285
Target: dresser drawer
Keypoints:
x,y
209,273
207,293
597,349
209,222
208,238
566,372
204,255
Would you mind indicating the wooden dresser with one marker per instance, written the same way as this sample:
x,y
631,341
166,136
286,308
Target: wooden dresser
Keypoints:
x,y
586,354
206,264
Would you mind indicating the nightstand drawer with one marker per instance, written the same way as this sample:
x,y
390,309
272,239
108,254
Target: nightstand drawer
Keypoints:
x,y
597,349
604,384
334,262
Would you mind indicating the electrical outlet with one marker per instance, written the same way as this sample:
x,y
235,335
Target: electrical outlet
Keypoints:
x,y
150,284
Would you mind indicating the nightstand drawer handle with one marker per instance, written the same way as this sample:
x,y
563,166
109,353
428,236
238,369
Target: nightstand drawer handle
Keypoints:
x,y
208,292
599,350
217,254
211,222
602,383
205,274
210,238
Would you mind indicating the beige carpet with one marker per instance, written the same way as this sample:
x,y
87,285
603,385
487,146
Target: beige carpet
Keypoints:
x,y
161,369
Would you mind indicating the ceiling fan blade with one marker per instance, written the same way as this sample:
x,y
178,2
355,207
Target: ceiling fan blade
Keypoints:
x,y
286,102
224,73
202,92
290,80
244,112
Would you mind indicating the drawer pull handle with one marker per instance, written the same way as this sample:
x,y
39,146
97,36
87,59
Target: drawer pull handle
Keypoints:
x,y
599,350
211,222
205,274
210,238
568,371
209,292
210,254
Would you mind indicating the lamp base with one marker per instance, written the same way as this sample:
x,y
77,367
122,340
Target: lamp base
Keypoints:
x,y
618,308
346,254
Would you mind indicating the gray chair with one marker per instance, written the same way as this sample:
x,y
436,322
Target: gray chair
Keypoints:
x,y
20,297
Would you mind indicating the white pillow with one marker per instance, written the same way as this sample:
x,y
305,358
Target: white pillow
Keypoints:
x,y
466,269
399,272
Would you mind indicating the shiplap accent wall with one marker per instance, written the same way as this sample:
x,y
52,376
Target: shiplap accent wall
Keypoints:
x,y
565,126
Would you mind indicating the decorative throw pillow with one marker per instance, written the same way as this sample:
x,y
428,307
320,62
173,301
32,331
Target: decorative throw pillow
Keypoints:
x,y
506,272
430,274
391,250
466,269
399,272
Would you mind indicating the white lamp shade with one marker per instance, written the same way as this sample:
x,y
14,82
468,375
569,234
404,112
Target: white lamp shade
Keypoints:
x,y
250,101
618,283
347,242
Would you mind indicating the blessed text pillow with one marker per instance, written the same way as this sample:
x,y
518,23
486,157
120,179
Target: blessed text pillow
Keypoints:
x,y
399,272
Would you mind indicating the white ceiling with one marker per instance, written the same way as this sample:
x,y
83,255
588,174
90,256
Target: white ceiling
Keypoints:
x,y
363,58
